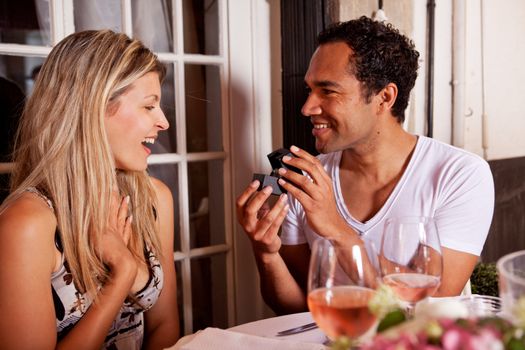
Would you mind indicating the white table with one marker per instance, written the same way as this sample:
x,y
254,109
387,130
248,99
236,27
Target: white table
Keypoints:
x,y
270,326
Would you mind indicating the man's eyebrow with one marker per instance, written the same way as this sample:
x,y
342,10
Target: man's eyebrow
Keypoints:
x,y
325,84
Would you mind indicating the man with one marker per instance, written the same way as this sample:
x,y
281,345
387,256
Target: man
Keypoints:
x,y
370,169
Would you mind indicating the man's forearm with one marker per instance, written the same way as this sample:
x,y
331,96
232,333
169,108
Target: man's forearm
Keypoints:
x,y
279,288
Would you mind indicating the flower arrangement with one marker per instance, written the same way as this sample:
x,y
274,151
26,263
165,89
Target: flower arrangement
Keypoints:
x,y
439,325
490,333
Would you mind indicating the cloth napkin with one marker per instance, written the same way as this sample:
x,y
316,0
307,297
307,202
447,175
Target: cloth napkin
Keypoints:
x,y
215,338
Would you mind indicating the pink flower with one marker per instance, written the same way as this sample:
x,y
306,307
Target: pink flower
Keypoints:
x,y
486,339
455,339
445,334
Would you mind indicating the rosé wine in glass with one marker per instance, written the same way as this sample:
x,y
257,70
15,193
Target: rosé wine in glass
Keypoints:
x,y
410,259
342,310
341,282
412,287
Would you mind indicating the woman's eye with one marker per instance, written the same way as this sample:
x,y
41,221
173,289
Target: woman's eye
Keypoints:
x,y
150,108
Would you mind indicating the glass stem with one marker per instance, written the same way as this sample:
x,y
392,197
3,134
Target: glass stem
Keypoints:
x,y
410,309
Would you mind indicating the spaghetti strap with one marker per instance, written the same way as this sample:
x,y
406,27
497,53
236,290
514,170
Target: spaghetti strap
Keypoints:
x,y
41,195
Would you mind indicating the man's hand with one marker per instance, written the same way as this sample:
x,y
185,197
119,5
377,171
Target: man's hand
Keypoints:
x,y
315,194
260,224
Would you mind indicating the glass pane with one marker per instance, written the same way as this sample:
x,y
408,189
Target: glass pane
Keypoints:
x,y
152,24
21,70
17,76
209,292
206,205
25,22
168,173
180,302
167,142
97,14
203,108
201,26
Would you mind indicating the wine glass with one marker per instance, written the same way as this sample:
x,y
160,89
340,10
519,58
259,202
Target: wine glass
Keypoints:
x,y
410,259
511,274
341,282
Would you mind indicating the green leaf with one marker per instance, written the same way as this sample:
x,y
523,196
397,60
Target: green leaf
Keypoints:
x,y
391,319
515,344
484,279
341,343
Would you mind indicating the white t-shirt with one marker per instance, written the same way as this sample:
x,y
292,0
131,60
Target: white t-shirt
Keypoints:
x,y
451,185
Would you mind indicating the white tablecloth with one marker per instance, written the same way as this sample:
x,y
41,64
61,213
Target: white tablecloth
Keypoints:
x,y
257,335
269,327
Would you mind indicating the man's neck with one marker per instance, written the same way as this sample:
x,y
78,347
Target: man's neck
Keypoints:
x,y
382,157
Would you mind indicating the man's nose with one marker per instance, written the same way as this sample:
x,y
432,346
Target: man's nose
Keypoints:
x,y
311,106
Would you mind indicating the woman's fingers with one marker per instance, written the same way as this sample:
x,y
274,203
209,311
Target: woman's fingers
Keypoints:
x,y
122,213
119,218
114,205
126,233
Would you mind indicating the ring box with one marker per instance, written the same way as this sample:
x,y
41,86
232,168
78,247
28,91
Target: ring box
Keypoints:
x,y
276,160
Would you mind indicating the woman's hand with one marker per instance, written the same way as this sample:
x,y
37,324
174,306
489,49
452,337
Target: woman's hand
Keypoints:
x,y
260,224
112,244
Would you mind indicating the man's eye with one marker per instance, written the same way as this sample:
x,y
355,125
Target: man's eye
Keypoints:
x,y
328,91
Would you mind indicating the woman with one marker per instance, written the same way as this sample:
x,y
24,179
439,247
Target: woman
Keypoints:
x,y
86,236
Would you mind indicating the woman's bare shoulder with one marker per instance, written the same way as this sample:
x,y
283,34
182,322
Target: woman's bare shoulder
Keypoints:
x,y
28,217
162,191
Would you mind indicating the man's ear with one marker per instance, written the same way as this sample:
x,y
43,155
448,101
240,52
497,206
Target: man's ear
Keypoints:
x,y
387,97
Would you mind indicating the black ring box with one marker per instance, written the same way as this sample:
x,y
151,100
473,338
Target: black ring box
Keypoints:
x,y
276,160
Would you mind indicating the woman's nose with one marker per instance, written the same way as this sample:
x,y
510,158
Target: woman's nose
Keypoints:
x,y
162,123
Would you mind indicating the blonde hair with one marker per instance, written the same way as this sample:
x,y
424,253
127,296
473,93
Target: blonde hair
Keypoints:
x,y
62,148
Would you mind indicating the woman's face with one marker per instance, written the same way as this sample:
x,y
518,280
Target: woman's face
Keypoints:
x,y
135,123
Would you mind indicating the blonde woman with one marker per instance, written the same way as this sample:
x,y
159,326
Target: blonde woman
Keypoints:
x,y
86,236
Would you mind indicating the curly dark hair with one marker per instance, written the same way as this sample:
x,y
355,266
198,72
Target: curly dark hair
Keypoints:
x,y
381,55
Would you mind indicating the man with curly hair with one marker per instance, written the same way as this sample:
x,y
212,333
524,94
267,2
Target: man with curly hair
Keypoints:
x,y
370,169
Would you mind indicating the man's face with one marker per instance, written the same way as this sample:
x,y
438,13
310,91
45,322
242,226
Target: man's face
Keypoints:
x,y
340,116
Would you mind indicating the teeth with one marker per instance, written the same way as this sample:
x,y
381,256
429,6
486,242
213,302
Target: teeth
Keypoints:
x,y
149,140
321,126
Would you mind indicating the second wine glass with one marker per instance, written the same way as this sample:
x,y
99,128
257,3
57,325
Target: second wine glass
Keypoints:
x,y
410,258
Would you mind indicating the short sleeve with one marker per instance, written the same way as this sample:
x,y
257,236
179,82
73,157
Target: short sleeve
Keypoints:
x,y
292,229
466,209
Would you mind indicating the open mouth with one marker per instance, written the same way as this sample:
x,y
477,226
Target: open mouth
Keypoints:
x,y
148,142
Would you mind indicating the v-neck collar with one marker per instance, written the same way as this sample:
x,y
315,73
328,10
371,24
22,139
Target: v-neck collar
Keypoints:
x,y
363,227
